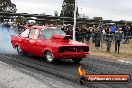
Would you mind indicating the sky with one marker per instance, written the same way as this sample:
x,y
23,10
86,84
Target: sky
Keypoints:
x,y
108,9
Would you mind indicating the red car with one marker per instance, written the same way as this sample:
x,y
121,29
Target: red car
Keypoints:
x,y
50,43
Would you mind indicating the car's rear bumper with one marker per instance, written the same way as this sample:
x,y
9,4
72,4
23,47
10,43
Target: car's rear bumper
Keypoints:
x,y
71,55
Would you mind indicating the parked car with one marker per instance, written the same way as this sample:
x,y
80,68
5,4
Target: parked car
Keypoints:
x,y
49,42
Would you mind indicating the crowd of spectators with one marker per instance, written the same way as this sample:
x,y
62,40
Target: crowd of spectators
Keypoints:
x,y
97,34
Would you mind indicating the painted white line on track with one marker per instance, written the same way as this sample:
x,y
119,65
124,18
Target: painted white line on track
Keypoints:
x,y
123,61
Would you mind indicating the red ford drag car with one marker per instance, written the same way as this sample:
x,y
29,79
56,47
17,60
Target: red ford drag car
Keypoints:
x,y
50,43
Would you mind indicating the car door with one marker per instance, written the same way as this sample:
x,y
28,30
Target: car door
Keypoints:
x,y
34,42
44,36
23,40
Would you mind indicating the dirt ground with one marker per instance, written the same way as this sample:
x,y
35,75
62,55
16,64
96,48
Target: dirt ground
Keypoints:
x,y
125,51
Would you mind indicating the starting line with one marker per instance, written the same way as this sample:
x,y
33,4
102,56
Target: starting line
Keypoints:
x,y
123,61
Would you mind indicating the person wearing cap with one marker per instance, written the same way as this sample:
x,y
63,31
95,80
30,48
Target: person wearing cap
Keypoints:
x,y
118,39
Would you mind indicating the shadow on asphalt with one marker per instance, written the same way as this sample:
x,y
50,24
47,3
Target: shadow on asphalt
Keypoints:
x,y
58,62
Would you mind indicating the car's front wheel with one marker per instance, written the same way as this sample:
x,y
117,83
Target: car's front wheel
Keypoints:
x,y
19,50
49,57
77,60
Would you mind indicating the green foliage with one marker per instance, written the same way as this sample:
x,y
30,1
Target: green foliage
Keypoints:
x,y
7,6
68,8
56,13
20,20
98,18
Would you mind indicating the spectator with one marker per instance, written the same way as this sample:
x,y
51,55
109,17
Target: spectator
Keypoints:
x,y
131,30
88,35
127,34
108,39
97,36
79,34
118,39
93,36
103,35
113,29
84,34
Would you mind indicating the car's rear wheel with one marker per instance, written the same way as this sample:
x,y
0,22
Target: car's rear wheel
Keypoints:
x,y
49,57
19,50
77,60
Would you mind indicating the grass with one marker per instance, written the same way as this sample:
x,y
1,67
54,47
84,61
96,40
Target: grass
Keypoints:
x,y
125,51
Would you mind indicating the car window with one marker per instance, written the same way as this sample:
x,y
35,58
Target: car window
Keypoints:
x,y
47,33
25,33
34,33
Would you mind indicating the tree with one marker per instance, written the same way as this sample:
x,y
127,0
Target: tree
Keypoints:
x,y
7,6
56,13
43,14
20,19
68,8
83,16
98,18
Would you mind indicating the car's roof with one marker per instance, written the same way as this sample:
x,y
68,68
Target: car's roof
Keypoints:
x,y
42,27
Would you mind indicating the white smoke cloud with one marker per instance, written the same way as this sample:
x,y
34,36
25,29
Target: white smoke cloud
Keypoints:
x,y
5,41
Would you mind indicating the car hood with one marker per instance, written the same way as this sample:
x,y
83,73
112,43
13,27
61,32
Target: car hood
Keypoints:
x,y
67,43
63,40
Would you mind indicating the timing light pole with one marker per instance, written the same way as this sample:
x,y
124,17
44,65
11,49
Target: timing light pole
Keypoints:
x,y
75,21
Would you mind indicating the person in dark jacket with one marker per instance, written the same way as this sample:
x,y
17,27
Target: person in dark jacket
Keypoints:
x,y
92,33
108,39
118,39
126,32
97,36
88,35
84,34
131,30
79,34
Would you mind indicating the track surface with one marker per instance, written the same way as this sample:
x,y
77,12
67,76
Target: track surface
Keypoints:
x,y
68,70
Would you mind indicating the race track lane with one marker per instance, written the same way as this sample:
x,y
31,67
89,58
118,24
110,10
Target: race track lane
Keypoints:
x,y
67,68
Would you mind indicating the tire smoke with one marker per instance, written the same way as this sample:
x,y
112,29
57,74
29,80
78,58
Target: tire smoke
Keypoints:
x,y
5,41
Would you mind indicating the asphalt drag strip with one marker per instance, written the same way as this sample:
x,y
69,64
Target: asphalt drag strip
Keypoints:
x,y
13,78
68,70
39,74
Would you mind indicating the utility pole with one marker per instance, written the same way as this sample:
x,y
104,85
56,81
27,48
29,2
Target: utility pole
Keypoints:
x,y
63,18
75,21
